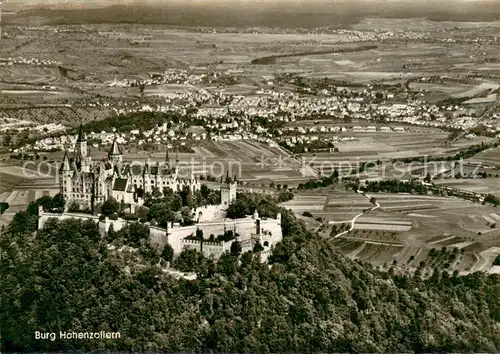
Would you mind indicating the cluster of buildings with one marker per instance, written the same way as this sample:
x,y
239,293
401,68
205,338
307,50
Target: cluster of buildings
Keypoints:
x,y
89,182
224,116
28,61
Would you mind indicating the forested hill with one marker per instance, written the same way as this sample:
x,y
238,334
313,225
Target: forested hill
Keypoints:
x,y
311,299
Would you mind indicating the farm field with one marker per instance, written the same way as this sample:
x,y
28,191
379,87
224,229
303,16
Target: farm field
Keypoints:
x,y
19,186
478,185
258,163
358,148
104,52
251,161
490,157
406,227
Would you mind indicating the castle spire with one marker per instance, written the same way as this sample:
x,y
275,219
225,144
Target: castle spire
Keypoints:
x,y
66,166
81,134
115,148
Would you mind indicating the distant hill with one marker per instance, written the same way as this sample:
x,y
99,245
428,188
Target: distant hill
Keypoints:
x,y
337,14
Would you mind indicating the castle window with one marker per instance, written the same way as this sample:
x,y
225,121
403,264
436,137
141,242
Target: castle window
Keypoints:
x,y
266,244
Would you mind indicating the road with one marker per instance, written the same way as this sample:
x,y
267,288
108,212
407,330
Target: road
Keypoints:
x,y
353,220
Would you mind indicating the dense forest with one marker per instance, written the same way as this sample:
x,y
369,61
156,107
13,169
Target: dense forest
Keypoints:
x,y
308,298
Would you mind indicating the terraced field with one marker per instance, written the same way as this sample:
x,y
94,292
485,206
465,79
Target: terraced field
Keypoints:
x,y
406,227
19,186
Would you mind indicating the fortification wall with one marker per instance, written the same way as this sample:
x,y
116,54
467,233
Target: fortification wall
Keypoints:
x,y
43,217
209,249
158,237
209,213
103,225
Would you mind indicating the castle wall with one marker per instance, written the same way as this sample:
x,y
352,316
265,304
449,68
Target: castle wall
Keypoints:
x,y
247,229
158,237
103,225
43,217
209,213
117,225
209,249
244,227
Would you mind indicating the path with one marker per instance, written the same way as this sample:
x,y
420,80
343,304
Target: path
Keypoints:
x,y
353,221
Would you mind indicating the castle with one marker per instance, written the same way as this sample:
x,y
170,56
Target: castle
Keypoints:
x,y
90,182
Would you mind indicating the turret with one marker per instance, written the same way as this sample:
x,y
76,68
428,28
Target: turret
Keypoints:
x,y
66,167
81,143
228,191
115,154
65,176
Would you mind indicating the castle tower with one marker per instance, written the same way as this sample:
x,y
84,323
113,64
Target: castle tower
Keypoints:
x,y
228,191
115,154
65,177
81,143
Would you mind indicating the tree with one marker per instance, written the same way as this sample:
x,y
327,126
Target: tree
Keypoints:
x,y
110,207
142,213
3,207
205,191
236,248
258,247
156,193
237,209
74,207
58,202
168,253
187,216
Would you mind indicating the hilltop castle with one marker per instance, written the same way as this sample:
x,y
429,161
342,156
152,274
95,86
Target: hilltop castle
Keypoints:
x,y
90,182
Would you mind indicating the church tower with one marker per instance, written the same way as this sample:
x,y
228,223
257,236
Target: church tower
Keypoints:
x,y
81,143
115,154
65,177
228,191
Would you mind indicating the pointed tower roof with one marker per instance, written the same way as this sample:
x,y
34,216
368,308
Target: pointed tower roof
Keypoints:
x,y
81,134
66,166
115,149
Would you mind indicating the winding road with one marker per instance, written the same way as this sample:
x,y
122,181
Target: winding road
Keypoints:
x,y
353,220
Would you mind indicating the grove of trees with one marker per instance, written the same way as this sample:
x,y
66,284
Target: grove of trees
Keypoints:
x,y
309,298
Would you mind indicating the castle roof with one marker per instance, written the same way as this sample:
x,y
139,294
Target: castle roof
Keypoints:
x,y
120,185
81,135
115,149
66,165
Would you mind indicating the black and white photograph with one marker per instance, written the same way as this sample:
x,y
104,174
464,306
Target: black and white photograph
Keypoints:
x,y
250,176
